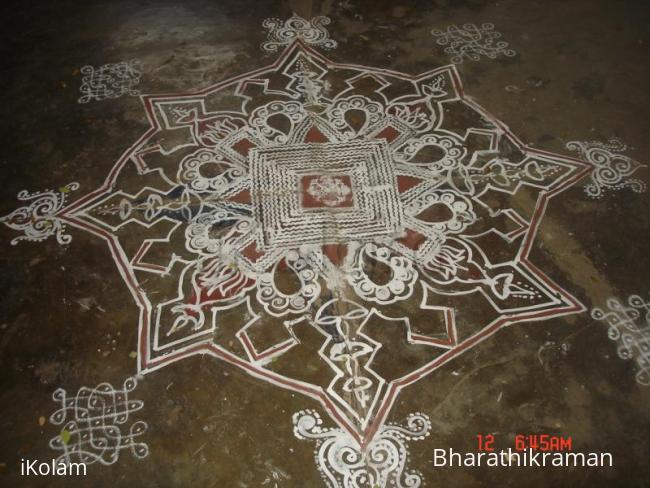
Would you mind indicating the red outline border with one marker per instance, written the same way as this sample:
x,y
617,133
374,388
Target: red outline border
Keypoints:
x,y
69,214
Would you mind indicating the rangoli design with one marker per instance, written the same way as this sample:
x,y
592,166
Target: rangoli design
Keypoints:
x,y
341,462
280,34
336,230
612,168
38,219
629,325
109,81
472,41
95,429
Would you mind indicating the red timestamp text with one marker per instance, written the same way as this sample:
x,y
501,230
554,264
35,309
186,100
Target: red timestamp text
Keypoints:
x,y
543,442
535,442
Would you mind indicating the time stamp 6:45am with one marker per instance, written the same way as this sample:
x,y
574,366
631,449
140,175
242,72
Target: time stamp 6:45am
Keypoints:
x,y
535,442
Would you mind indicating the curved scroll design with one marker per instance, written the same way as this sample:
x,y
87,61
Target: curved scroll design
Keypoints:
x,y
342,462
38,220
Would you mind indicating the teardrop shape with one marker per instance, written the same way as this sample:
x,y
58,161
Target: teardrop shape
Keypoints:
x,y
213,169
287,281
220,229
533,171
356,119
279,122
436,213
428,154
380,273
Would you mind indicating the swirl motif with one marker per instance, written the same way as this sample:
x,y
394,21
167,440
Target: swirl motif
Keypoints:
x,y
471,42
276,302
293,111
342,461
399,286
629,326
336,112
453,151
612,170
312,32
210,233
39,219
109,81
190,172
460,209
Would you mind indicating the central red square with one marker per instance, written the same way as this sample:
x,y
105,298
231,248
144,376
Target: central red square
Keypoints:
x,y
326,190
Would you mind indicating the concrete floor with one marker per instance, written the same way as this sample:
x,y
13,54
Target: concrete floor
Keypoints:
x,y
68,318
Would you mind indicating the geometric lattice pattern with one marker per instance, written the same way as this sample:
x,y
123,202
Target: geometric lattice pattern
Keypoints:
x,y
282,176
95,419
109,81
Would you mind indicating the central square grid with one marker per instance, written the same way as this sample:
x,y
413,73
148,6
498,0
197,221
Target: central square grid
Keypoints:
x,y
290,214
